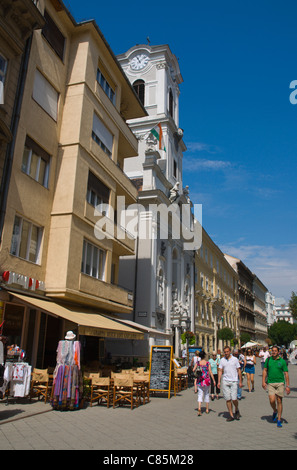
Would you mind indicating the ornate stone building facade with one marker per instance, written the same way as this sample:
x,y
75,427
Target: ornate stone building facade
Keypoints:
x,y
216,296
246,296
261,329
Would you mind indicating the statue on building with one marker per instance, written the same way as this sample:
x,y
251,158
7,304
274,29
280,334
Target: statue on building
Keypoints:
x,y
186,194
174,193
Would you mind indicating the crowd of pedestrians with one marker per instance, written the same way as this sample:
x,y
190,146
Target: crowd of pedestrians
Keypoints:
x,y
224,375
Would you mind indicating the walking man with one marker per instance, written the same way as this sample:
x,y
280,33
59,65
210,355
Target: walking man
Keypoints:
x,y
275,373
229,368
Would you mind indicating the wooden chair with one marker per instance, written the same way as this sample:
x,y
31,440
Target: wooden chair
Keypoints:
x,y
40,384
182,375
143,384
124,391
100,390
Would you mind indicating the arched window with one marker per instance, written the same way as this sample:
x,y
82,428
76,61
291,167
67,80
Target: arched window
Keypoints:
x,y
139,86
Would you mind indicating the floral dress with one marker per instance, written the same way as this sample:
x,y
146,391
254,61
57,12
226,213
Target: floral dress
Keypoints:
x,y
204,379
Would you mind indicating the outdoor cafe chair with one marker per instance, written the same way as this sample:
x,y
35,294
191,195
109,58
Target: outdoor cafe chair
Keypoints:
x,y
40,386
142,382
182,375
100,390
124,391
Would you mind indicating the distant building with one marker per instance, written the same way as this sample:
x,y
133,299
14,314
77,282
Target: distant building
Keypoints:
x,y
282,311
261,330
246,296
270,308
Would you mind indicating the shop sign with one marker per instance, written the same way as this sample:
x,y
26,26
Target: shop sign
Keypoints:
x,y
10,277
93,331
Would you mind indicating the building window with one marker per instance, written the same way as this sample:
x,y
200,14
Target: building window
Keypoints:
x,y
174,169
93,261
45,95
26,240
53,35
139,87
36,162
170,103
97,192
106,85
3,68
102,136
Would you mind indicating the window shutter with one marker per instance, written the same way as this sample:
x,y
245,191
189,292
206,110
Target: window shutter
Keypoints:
x,y
102,132
45,95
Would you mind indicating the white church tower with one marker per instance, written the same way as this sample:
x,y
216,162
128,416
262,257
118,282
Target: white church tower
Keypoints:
x,y
162,273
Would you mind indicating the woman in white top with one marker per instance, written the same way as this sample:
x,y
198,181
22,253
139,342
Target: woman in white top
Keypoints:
x,y
249,367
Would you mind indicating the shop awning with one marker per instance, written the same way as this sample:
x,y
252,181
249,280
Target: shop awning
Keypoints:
x,y
90,324
150,331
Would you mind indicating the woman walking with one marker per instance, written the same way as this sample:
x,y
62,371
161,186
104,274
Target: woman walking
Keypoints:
x,y
195,360
203,382
214,362
249,367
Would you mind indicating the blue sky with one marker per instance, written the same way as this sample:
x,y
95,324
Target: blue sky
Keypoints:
x,y
237,60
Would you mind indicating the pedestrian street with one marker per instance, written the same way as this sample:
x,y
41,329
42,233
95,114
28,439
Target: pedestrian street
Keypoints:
x,y
162,424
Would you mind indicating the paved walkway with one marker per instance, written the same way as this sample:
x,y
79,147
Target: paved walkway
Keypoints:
x,y
162,424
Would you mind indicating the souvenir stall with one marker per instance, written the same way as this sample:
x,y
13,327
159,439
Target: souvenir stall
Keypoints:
x,y
15,374
2,362
68,383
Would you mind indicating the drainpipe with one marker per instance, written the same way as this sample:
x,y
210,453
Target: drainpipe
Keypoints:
x,y
14,127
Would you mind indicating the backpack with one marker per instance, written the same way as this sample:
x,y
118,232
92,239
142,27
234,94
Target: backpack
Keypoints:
x,y
197,372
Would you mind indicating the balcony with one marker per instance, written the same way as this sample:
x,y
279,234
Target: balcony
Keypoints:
x,y
123,242
124,186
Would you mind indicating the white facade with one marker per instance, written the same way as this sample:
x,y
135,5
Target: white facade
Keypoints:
x,y
282,311
162,275
270,308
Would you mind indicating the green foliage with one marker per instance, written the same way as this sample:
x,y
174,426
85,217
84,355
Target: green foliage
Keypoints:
x,y
188,335
282,332
293,305
245,338
226,334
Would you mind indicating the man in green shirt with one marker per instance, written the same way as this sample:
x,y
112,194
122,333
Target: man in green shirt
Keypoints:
x,y
276,372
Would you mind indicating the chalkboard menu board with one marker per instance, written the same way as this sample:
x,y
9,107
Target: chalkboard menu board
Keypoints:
x,y
161,368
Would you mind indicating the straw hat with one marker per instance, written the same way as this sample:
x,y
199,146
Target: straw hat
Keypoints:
x,y
70,335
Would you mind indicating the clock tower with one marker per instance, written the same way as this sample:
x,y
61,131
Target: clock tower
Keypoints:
x,y
155,76
162,273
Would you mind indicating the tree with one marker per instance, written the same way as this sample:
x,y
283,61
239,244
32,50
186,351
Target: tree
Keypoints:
x,y
293,305
226,334
245,338
282,332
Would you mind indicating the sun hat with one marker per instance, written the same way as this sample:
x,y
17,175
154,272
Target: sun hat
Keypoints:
x,y
70,335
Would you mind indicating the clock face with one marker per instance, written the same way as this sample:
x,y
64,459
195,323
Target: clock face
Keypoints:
x,y
139,62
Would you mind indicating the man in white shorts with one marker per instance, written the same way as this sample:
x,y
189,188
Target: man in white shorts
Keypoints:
x,y
229,368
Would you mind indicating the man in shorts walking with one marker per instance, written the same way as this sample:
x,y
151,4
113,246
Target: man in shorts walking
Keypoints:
x,y
229,368
276,372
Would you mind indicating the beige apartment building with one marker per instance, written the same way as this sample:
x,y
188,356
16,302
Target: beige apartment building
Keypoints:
x,y
17,22
59,254
216,296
